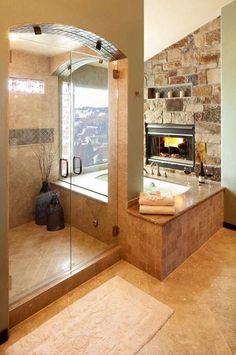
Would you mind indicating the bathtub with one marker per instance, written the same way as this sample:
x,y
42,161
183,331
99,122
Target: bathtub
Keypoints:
x,y
164,187
97,183
150,184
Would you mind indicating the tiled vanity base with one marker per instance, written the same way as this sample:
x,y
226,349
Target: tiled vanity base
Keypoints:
x,y
160,246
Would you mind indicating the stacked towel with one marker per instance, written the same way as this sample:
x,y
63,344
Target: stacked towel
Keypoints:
x,y
144,209
155,203
155,199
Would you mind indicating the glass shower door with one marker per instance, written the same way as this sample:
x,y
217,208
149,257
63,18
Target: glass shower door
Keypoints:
x,y
93,157
39,245
62,163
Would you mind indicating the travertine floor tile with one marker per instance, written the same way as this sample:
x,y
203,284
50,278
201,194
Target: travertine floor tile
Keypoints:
x,y
201,292
37,256
192,330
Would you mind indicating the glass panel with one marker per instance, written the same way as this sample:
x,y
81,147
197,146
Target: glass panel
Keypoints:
x,y
93,172
62,162
39,245
91,125
65,101
171,148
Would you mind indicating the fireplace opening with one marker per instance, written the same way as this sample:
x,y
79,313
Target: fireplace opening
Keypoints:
x,y
171,146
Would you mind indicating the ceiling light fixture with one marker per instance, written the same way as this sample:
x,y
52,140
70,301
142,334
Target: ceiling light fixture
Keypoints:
x,y
37,30
98,45
13,36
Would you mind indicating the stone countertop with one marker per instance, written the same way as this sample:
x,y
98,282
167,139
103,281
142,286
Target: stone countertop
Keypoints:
x,y
183,202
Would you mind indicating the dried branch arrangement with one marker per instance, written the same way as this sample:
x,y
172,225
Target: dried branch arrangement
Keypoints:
x,y
201,152
46,155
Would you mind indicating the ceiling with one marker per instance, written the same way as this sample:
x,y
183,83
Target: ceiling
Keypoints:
x,y
165,23
50,45
53,39
44,44
168,21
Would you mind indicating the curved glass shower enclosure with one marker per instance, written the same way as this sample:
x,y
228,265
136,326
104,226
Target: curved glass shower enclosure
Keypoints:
x,y
62,159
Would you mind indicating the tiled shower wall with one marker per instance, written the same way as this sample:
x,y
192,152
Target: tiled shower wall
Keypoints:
x,y
33,118
194,62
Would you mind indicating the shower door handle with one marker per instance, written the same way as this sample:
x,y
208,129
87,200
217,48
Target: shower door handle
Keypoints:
x,y
76,167
64,166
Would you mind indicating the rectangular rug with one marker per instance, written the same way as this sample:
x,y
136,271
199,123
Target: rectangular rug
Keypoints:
x,y
115,318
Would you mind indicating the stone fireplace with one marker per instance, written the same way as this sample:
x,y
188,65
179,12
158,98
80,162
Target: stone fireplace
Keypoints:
x,y
183,87
171,146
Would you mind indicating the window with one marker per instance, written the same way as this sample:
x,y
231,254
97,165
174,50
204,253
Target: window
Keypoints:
x,y
90,125
65,122
29,86
90,129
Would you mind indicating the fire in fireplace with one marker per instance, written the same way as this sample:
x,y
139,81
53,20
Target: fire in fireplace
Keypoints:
x,y
171,146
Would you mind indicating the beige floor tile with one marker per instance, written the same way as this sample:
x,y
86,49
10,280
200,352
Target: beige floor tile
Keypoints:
x,y
191,330
37,256
201,292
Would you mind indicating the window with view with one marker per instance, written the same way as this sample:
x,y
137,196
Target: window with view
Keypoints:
x,y
90,128
90,125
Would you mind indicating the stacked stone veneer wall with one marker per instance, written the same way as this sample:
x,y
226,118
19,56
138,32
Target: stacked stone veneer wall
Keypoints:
x,y
194,61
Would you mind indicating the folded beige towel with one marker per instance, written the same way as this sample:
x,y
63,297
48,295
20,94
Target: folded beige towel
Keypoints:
x,y
144,209
155,199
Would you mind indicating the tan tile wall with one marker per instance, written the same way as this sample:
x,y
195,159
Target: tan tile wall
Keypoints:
x,y
140,241
185,234
141,245
80,211
29,111
41,111
160,249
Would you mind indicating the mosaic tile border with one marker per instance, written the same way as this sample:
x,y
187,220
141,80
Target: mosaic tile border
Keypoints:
x,y
30,136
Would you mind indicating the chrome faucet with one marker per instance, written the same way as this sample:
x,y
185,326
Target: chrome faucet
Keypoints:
x,y
158,168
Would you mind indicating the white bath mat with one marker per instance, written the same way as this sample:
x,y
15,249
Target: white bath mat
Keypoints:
x,y
115,318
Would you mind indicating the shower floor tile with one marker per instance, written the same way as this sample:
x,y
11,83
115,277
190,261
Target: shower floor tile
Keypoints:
x,y
37,256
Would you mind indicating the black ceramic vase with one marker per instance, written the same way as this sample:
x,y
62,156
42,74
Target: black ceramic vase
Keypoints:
x,y
55,215
45,187
42,202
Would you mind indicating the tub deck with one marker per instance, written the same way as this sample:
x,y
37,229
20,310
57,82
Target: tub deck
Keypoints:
x,y
158,244
196,195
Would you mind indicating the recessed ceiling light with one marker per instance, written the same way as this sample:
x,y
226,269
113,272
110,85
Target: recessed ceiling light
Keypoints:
x,y
37,30
98,45
13,36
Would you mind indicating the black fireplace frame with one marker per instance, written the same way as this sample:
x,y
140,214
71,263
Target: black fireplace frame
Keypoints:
x,y
169,130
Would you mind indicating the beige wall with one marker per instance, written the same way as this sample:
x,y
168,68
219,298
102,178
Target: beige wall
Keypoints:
x,y
3,186
121,23
229,110
178,18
